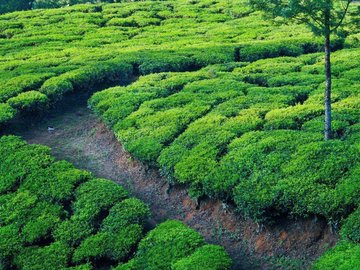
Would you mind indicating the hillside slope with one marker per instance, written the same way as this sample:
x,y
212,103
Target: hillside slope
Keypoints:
x,y
47,53
227,104
60,217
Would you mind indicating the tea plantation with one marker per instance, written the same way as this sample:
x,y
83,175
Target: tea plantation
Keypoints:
x,y
54,216
47,53
223,102
248,132
251,134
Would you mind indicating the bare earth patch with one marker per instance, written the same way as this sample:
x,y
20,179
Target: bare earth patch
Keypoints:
x,y
82,139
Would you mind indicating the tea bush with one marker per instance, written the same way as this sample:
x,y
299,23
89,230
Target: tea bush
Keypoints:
x,y
54,256
72,231
115,246
207,257
6,113
112,43
54,216
225,137
351,227
29,101
345,255
96,196
55,182
172,245
129,211
247,130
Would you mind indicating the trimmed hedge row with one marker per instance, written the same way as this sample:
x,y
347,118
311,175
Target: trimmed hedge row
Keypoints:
x,y
117,41
159,121
172,245
54,216
6,113
344,256
261,147
225,137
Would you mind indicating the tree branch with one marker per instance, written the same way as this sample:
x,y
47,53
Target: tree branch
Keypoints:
x,y
317,21
342,17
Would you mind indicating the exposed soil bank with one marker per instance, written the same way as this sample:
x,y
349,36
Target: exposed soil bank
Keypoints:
x,y
82,139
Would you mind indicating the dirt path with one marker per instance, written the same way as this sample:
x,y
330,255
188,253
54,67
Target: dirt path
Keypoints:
x,y
82,139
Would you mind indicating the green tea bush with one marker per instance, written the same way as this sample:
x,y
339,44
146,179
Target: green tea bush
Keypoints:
x,y
94,247
295,79
95,196
147,143
258,51
136,37
20,84
343,256
254,168
127,22
194,154
166,244
56,182
115,246
16,166
56,87
42,222
29,101
145,132
129,211
162,123
36,218
6,113
351,227
313,174
54,256
17,208
292,117
72,231
10,242
246,132
207,257
203,57
280,65
317,125
160,62
54,216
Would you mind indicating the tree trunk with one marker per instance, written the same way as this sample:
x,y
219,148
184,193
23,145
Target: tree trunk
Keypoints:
x,y
327,94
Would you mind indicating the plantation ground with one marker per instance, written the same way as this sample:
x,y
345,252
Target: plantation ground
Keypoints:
x,y
55,216
246,132
86,142
46,53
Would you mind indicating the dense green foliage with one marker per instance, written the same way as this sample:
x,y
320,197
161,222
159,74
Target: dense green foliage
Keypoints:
x,y
322,16
14,5
247,132
17,5
110,43
211,110
345,256
53,216
251,133
172,245
207,257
